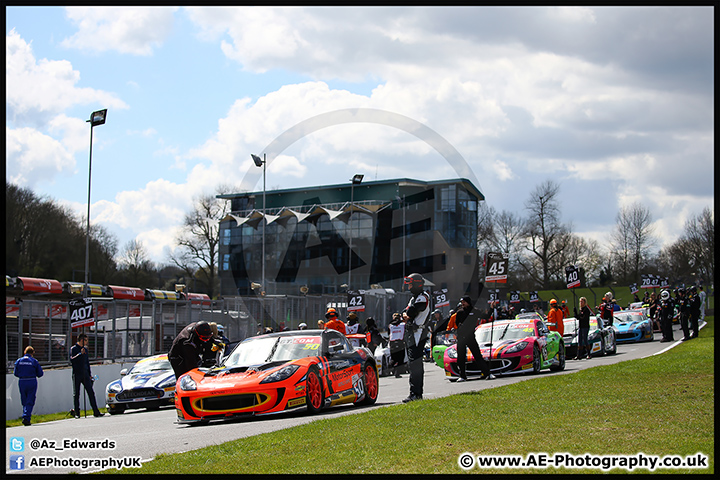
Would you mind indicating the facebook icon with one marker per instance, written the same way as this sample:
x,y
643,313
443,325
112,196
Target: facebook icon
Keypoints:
x,y
17,462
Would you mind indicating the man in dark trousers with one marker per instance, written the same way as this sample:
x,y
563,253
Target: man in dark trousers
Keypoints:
x,y
667,310
417,319
80,361
28,370
467,319
187,348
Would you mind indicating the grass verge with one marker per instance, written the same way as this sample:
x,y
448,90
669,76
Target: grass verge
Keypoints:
x,y
661,405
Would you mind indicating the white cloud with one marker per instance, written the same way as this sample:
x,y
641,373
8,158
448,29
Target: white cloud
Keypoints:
x,y
135,31
32,157
39,90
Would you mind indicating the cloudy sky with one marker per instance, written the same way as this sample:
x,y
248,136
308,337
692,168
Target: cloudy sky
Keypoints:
x,y
614,104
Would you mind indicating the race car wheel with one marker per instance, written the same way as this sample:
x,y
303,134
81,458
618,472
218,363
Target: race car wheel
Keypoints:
x,y
614,349
370,383
537,360
117,410
313,391
561,359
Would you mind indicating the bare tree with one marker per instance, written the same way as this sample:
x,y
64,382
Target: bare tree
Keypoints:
x,y
545,235
632,240
135,264
199,240
694,253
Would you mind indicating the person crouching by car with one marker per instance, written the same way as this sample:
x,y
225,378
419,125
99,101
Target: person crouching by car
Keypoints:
x,y
187,348
213,350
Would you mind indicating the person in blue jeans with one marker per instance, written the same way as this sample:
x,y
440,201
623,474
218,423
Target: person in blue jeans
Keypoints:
x,y
28,370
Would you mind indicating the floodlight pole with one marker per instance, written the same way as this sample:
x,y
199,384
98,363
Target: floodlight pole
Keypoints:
x,y
96,118
262,163
357,178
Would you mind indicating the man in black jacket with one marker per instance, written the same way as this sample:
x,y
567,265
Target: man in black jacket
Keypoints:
x,y
80,361
187,348
467,319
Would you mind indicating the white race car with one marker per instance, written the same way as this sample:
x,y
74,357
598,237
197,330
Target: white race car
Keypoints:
x,y
149,384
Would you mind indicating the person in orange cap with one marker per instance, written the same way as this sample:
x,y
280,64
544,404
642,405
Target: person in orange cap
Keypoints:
x,y
333,322
555,318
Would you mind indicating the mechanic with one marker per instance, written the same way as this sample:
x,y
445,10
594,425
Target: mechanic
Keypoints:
x,y
353,326
683,305
213,350
373,335
28,370
467,320
666,312
417,318
565,310
396,331
186,351
555,318
333,322
81,375
606,309
694,301
583,317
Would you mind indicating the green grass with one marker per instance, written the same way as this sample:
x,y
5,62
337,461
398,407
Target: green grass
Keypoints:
x,y
662,405
51,417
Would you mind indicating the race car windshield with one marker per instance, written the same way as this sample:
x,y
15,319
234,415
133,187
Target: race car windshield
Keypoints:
x,y
508,331
273,349
628,317
146,366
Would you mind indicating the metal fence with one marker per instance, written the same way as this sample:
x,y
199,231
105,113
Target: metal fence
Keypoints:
x,y
127,329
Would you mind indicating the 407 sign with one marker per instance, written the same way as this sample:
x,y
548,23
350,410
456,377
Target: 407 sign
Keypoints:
x,y
81,312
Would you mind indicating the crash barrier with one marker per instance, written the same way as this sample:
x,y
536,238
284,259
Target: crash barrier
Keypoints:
x,y
126,329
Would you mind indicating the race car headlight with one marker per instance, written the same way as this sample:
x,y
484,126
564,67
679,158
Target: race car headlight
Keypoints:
x,y
115,387
281,374
187,383
518,347
452,353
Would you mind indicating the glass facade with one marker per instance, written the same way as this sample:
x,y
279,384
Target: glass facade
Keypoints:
x,y
395,228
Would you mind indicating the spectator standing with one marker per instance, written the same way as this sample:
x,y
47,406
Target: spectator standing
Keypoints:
x,y
694,301
606,309
703,299
81,375
28,370
666,313
583,317
416,316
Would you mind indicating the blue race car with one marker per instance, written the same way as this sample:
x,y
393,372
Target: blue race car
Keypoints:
x,y
632,326
149,384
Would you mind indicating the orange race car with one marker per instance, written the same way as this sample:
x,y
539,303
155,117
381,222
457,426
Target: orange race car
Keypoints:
x,y
278,372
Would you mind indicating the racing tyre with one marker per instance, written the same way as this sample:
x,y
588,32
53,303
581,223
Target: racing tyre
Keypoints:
x,y
313,391
117,410
614,349
370,384
561,359
537,360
